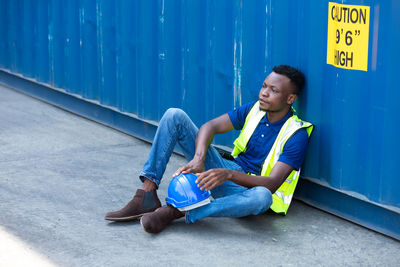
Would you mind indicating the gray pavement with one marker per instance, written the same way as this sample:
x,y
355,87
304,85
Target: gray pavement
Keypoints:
x,y
60,174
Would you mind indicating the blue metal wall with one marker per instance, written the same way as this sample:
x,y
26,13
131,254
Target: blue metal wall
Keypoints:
x,y
207,57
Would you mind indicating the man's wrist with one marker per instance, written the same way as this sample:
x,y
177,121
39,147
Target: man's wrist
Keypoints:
x,y
200,157
230,174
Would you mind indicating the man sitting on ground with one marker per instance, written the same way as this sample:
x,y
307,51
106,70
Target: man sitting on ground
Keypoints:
x,y
261,175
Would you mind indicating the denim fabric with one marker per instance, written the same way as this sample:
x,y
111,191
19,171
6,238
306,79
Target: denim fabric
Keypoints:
x,y
230,199
235,201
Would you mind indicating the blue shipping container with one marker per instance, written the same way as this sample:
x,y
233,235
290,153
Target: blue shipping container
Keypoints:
x,y
131,60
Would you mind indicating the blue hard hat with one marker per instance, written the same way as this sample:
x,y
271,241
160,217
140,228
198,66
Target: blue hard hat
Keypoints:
x,y
184,194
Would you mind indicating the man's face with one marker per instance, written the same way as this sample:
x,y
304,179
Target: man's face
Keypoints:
x,y
276,93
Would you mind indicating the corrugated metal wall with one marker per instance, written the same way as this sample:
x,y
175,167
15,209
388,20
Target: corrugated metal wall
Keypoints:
x,y
207,57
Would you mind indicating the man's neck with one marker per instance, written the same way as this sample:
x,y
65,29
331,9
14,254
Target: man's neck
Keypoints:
x,y
273,116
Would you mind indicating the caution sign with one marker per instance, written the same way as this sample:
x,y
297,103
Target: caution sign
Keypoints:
x,y
348,31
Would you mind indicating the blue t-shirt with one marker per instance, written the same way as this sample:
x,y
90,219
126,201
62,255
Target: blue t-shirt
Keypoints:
x,y
264,137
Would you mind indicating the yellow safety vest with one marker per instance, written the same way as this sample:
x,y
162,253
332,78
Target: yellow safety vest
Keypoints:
x,y
283,196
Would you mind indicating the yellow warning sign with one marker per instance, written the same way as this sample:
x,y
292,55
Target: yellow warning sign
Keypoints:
x,y
348,31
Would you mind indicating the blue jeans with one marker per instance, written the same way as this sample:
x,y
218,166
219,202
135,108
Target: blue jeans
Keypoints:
x,y
230,199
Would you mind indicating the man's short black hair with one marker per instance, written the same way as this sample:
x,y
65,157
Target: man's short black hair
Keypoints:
x,y
295,76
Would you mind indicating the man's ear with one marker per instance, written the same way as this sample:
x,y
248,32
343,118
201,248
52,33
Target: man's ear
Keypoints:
x,y
291,98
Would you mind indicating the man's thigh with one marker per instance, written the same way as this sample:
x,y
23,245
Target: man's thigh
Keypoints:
x,y
226,189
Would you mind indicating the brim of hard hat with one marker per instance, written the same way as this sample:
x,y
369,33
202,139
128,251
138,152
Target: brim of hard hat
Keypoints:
x,y
196,205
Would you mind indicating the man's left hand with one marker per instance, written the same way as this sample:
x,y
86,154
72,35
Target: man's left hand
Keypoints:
x,y
212,178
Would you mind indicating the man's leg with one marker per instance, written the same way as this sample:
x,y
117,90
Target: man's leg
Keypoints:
x,y
175,127
237,201
230,200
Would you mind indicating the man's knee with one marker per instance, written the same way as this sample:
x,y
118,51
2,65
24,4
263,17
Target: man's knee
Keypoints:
x,y
174,114
262,198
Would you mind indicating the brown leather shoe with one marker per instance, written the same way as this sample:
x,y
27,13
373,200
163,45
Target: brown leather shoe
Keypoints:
x,y
143,202
156,221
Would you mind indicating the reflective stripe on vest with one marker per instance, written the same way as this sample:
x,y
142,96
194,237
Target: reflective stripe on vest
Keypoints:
x,y
250,125
283,196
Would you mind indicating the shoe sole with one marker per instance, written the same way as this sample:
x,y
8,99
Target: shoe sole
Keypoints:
x,y
142,224
124,219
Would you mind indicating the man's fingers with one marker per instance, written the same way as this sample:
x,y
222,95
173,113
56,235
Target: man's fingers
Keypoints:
x,y
178,171
209,179
203,184
187,169
204,179
201,176
209,185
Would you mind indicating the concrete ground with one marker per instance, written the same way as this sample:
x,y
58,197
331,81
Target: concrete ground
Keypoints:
x,y
60,174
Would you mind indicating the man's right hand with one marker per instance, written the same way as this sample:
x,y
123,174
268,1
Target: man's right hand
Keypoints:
x,y
206,133
193,166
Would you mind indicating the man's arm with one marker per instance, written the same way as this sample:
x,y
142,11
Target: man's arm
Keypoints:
x,y
205,136
215,177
